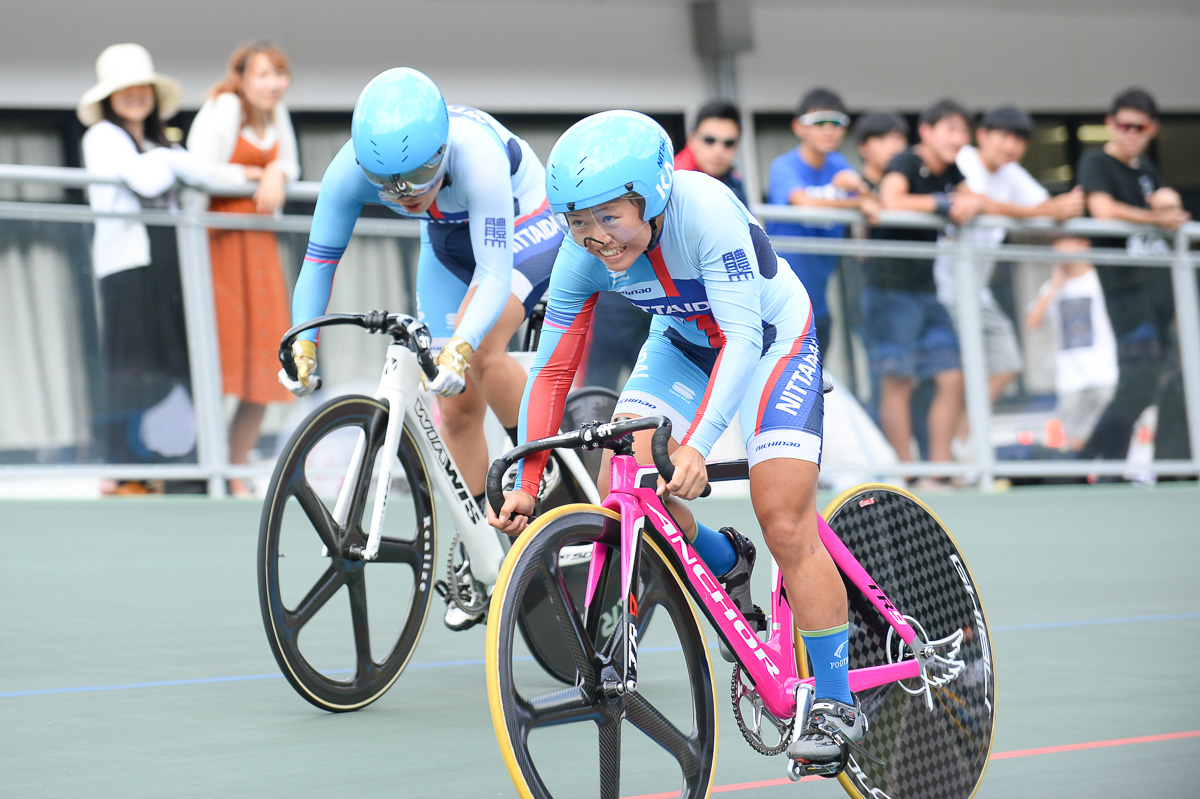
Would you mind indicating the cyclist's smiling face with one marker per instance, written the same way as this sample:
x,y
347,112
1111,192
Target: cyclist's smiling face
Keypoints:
x,y
613,232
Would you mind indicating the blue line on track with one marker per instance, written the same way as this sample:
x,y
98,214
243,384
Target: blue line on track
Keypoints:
x,y
1047,625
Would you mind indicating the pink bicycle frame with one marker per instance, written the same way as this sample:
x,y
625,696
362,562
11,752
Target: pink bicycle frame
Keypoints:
x,y
770,664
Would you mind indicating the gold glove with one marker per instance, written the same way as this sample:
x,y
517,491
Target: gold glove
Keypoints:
x,y
454,356
304,352
452,368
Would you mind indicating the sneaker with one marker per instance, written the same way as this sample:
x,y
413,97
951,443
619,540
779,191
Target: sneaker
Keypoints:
x,y
736,583
830,731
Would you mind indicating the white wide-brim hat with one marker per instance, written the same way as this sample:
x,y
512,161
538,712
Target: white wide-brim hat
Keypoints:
x,y
119,67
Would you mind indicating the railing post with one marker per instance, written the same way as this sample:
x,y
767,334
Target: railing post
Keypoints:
x,y
212,451
1187,315
967,301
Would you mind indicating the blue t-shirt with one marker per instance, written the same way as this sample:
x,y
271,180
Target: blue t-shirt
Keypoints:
x,y
788,172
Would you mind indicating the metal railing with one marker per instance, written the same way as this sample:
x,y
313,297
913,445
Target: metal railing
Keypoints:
x,y
192,223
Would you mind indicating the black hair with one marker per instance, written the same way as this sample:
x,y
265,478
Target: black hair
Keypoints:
x,y
719,109
153,131
941,110
1137,100
820,99
879,123
1008,119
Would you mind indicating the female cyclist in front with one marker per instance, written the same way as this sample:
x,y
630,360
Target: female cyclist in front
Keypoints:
x,y
732,333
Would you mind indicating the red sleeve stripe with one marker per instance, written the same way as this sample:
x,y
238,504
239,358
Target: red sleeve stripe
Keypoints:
x,y
548,395
777,372
661,272
704,401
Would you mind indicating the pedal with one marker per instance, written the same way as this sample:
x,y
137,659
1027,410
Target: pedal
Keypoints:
x,y
798,769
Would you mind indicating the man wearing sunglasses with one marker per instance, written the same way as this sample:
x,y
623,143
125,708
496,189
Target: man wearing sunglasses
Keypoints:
x,y
488,242
816,175
1121,183
713,145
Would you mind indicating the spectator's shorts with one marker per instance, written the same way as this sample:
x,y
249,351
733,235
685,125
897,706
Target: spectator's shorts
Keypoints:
x,y
1001,351
1080,410
908,333
781,414
446,268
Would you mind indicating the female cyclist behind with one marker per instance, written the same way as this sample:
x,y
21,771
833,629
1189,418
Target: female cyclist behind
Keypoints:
x,y
732,334
487,245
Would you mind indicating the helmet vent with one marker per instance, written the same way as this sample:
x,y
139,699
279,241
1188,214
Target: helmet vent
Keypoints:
x,y
580,183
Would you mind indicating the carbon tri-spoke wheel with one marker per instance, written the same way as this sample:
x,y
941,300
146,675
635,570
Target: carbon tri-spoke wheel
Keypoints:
x,y
933,732
342,629
574,741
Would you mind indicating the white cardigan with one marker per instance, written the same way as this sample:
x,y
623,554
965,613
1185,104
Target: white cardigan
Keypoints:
x,y
108,150
214,134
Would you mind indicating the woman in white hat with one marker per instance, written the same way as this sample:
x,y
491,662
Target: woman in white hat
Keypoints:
x,y
145,403
244,132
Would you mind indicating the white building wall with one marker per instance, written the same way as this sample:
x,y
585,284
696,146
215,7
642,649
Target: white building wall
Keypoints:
x,y
579,55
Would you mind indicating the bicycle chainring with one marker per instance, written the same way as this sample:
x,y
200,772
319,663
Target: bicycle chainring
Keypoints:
x,y
468,594
741,691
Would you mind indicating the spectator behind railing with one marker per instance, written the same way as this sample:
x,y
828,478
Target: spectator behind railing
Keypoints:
x,y
994,170
879,137
1121,183
909,333
713,144
1085,352
144,403
245,133
816,174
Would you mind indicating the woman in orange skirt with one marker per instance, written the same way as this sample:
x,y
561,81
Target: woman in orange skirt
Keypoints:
x,y
245,132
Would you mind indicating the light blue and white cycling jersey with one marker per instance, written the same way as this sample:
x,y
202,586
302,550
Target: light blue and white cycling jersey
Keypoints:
x,y
733,323
494,188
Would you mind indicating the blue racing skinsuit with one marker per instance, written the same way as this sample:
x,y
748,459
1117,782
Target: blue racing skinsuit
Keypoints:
x,y
732,333
490,226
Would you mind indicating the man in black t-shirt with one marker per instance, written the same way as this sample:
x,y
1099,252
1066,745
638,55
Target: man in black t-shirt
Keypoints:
x,y
1120,183
909,334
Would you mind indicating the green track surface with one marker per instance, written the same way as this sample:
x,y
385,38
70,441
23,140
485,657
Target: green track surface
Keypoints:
x,y
133,661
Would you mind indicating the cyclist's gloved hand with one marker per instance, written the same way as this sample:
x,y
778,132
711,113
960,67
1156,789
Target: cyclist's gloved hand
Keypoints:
x,y
452,368
304,352
514,514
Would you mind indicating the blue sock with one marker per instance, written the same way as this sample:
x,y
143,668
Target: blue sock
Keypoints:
x,y
715,549
827,649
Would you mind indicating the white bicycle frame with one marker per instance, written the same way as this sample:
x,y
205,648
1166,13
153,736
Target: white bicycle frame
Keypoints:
x,y
399,388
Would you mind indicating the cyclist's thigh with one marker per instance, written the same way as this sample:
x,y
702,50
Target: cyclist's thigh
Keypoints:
x,y
782,413
442,277
664,382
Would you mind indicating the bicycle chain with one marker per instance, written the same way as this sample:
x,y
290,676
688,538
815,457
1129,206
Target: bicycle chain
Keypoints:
x,y
752,738
453,587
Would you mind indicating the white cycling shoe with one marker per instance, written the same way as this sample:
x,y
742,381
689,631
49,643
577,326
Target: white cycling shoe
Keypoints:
x,y
831,730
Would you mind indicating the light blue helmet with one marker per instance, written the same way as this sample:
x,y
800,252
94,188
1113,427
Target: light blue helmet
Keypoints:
x,y
608,155
400,130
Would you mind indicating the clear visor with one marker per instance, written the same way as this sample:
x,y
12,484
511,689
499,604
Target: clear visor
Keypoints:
x,y
616,222
413,183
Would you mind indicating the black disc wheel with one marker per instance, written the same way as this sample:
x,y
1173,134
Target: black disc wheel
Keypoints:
x,y
342,628
569,742
933,732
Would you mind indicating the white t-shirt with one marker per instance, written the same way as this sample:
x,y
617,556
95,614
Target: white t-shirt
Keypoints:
x,y
1010,184
1084,346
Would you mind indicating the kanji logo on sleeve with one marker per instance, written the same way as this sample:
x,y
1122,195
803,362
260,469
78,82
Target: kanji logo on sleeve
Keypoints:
x,y
493,232
738,265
